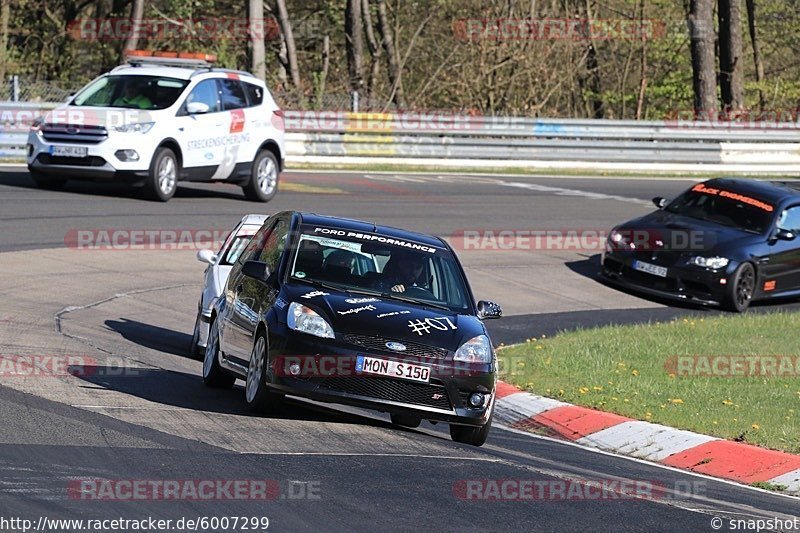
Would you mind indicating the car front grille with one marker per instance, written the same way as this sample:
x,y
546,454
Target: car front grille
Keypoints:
x,y
426,394
72,133
88,161
374,343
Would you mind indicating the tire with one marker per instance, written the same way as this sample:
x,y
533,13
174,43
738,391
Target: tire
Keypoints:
x,y
162,179
474,436
740,290
263,183
259,397
408,421
213,374
45,181
197,351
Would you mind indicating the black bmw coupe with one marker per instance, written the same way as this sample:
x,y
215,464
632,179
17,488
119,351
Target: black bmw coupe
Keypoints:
x,y
723,242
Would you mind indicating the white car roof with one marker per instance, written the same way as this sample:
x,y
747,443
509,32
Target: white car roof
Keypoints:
x,y
254,219
182,73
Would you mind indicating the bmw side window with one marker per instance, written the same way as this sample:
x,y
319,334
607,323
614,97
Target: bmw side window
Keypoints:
x,y
790,219
206,93
232,94
255,95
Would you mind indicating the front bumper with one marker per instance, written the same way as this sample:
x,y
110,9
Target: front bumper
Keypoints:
x,y
328,374
698,285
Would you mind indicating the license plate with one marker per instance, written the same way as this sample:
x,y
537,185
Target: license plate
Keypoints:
x,y
69,151
650,269
395,369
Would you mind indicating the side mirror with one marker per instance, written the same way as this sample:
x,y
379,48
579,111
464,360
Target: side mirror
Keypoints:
x,y
197,108
785,235
489,310
660,202
206,256
256,270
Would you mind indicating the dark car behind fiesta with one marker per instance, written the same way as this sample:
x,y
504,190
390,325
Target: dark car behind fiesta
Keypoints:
x,y
722,242
347,312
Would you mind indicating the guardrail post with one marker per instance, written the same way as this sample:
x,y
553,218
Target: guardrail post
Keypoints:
x,y
15,88
354,101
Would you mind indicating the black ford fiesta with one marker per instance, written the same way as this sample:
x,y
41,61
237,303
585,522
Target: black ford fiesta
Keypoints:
x,y
343,311
722,242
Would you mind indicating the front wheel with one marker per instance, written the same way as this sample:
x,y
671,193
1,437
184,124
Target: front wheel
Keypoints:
x,y
162,180
740,289
259,397
263,183
474,436
213,374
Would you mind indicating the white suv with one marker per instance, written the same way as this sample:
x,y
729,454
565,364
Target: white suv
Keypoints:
x,y
161,119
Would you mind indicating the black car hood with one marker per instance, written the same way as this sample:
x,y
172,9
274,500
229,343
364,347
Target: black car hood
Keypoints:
x,y
391,319
671,232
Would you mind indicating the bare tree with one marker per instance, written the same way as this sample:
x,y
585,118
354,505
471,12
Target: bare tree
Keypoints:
x,y
132,41
5,16
757,59
593,68
730,56
354,43
395,72
704,79
374,49
255,11
288,42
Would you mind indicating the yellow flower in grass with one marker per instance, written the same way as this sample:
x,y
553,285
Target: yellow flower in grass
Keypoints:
x,y
648,415
538,346
596,388
676,401
635,372
583,390
755,426
727,402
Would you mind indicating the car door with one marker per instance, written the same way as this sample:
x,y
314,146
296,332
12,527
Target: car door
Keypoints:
x,y
233,101
201,135
782,270
251,297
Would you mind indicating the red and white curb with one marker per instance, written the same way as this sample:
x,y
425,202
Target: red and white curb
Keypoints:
x,y
712,456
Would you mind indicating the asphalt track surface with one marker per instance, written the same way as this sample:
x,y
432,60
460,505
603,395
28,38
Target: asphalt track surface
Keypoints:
x,y
358,472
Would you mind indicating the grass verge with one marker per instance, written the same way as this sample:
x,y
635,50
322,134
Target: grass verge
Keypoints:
x,y
685,374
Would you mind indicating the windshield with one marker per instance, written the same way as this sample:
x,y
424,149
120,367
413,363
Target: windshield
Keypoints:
x,y
724,207
135,92
375,264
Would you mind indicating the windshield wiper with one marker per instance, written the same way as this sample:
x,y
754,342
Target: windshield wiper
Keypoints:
x,y
394,296
321,284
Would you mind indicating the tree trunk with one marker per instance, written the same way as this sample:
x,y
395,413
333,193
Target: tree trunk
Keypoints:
x,y
395,72
642,67
701,27
354,43
759,62
593,68
5,16
323,75
255,11
288,39
374,50
730,56
137,12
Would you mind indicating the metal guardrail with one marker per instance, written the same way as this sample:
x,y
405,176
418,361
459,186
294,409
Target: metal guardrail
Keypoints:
x,y
425,139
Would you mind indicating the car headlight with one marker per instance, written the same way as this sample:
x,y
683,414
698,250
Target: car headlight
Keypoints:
x,y
301,318
476,350
710,262
135,127
36,125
